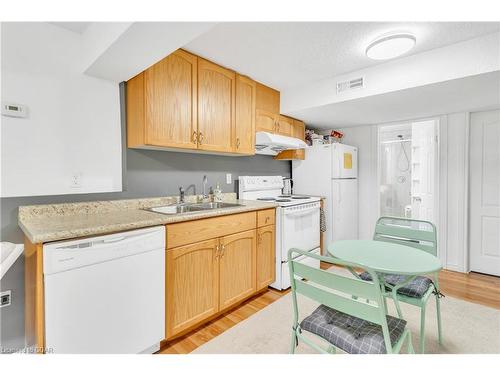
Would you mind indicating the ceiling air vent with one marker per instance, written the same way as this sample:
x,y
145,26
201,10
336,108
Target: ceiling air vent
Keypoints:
x,y
352,84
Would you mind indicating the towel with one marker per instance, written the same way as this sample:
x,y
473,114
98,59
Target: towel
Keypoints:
x,y
322,220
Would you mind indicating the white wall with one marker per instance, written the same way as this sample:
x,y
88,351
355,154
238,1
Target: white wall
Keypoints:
x,y
453,153
73,125
453,180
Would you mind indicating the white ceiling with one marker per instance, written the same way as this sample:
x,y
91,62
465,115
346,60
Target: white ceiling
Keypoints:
x,y
76,27
473,93
290,54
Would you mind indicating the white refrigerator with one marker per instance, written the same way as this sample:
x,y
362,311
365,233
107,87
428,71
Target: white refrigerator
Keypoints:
x,y
331,171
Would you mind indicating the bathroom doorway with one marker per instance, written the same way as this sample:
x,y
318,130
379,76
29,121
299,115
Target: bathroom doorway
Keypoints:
x,y
408,170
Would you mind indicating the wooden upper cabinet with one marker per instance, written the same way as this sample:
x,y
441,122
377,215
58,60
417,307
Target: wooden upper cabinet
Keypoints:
x,y
135,111
237,273
299,130
284,126
267,109
170,101
245,115
266,267
267,99
216,107
191,284
265,121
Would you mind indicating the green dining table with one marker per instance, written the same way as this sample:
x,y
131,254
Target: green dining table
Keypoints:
x,y
386,258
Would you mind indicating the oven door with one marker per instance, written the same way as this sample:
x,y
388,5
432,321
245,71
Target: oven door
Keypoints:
x,y
300,228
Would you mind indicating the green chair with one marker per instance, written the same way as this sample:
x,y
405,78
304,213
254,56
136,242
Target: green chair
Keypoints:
x,y
422,235
341,322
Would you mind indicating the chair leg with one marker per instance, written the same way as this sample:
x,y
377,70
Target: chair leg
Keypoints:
x,y
410,344
438,310
385,306
422,329
294,341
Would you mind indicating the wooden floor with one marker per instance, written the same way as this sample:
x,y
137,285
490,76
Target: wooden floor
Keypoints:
x,y
213,328
472,287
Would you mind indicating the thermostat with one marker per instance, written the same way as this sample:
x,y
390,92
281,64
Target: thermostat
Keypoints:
x,y
14,110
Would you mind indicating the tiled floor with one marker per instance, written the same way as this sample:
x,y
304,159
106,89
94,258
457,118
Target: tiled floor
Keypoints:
x,y
472,287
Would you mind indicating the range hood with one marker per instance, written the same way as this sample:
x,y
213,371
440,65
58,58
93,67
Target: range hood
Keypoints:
x,y
272,144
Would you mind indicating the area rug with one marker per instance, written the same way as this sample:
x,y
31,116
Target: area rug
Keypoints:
x,y
467,328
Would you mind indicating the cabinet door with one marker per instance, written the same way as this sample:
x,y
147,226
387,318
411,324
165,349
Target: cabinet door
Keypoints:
x,y
265,121
216,107
170,100
237,263
284,126
266,267
245,116
267,99
299,130
192,276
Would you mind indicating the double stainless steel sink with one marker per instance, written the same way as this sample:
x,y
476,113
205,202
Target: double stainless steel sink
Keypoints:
x,y
191,207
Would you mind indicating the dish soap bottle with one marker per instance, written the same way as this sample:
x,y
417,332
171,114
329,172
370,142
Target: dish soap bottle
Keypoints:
x,y
217,193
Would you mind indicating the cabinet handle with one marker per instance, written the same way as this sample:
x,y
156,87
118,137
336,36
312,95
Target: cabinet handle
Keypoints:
x,y
216,252
223,248
194,136
200,138
259,239
238,143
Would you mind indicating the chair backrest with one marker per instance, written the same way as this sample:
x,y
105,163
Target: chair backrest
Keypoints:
x,y
336,291
419,234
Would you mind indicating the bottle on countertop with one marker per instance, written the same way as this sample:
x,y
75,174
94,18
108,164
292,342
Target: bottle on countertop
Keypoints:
x,y
217,193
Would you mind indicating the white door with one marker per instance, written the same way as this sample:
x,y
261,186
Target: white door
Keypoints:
x,y
344,210
344,161
485,192
423,135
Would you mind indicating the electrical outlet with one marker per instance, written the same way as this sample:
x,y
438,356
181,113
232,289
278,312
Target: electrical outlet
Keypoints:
x,y
76,181
5,298
229,178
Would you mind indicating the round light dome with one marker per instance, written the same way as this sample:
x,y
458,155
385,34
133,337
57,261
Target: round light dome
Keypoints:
x,y
390,46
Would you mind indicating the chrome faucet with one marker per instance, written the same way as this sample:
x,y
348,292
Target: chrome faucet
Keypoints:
x,y
205,181
181,194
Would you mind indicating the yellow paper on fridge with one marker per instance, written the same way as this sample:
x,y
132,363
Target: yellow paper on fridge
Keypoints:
x,y
347,160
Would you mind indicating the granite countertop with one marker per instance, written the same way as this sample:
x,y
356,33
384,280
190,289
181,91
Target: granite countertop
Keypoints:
x,y
46,223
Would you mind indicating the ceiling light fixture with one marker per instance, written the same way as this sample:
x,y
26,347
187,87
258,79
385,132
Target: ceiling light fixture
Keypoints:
x,y
390,46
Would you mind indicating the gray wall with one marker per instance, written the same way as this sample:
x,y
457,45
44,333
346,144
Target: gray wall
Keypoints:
x,y
145,174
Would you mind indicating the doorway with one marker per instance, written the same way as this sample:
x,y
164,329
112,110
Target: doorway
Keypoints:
x,y
408,170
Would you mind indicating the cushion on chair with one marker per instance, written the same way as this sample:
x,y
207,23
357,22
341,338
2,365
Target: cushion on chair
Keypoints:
x,y
415,288
352,335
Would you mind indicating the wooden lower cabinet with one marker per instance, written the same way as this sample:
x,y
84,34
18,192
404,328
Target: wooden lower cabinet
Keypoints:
x,y
266,268
192,285
237,263
206,278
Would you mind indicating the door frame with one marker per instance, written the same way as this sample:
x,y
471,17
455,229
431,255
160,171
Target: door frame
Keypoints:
x,y
438,208
467,255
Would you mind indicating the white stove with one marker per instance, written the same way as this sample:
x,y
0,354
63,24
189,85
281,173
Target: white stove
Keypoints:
x,y
297,221
269,189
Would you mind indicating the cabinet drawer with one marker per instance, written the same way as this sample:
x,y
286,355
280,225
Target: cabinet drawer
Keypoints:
x,y
188,232
266,217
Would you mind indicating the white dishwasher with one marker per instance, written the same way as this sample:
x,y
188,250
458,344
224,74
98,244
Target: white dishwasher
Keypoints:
x,y
105,294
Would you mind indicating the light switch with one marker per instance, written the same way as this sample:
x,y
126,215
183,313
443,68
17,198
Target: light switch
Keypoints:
x,y
229,178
